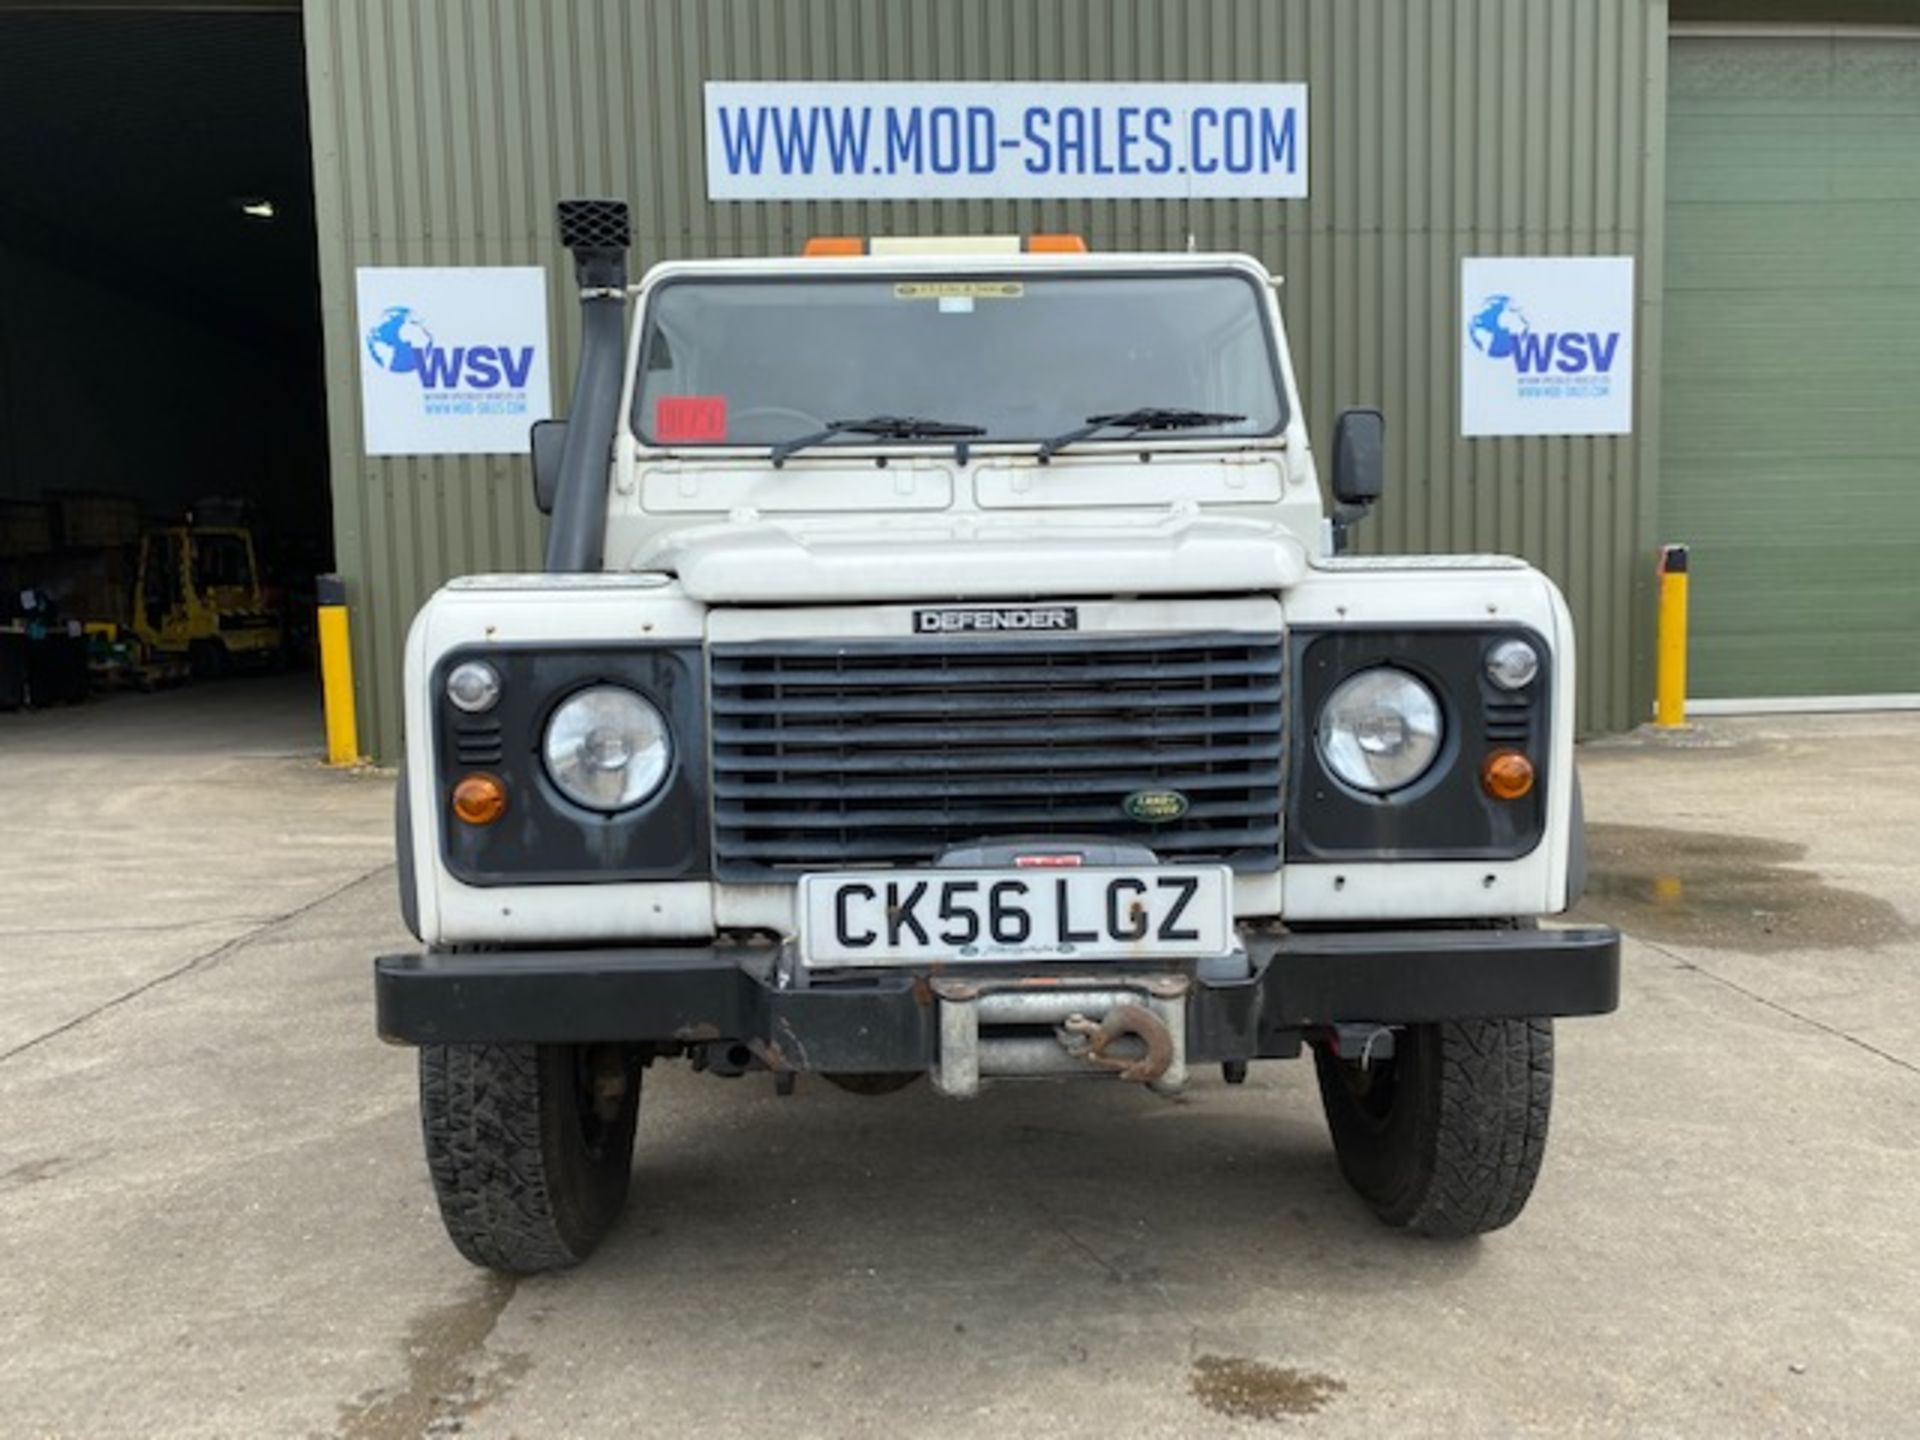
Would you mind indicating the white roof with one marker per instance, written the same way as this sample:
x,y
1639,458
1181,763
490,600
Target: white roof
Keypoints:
x,y
1171,262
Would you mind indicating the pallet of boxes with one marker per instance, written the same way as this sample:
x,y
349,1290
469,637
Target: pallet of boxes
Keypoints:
x,y
65,563
92,578
42,661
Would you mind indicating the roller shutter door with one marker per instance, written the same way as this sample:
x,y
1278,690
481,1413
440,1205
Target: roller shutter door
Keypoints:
x,y
1790,453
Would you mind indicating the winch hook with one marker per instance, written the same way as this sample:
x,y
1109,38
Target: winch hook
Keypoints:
x,y
1086,1039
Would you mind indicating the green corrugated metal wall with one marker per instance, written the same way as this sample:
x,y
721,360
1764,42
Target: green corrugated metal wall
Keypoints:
x,y
444,130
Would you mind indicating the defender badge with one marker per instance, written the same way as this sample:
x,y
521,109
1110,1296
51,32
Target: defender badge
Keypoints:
x,y
958,619
1155,807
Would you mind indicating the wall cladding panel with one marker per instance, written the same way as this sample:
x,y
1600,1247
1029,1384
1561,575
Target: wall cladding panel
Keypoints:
x,y
444,130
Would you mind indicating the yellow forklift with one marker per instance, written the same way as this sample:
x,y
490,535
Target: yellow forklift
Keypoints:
x,y
197,601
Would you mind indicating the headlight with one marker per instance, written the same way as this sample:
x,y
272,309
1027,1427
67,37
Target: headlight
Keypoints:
x,y
1512,664
1380,730
607,749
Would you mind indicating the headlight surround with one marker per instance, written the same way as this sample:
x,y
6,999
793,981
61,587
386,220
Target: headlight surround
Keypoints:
x,y
1380,730
607,748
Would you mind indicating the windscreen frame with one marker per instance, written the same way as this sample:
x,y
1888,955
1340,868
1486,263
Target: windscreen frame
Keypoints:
x,y
1269,334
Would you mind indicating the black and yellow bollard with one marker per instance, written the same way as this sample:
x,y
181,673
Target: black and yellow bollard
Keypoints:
x,y
1670,666
336,672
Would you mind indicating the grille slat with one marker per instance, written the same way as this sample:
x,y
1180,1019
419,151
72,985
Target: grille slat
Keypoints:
x,y
903,676
738,817
916,846
1059,700
999,786
1509,721
830,753
1112,757
984,733
478,742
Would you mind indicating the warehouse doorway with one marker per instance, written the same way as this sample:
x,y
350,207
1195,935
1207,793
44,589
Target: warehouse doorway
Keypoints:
x,y
1790,450
164,501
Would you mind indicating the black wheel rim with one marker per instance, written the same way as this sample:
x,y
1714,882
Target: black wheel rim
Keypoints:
x,y
596,1112
1373,1088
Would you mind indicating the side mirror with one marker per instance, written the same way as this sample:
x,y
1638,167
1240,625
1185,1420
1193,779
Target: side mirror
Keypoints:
x,y
1359,457
549,440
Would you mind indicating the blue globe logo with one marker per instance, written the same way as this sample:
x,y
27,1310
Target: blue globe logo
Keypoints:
x,y
1495,326
398,341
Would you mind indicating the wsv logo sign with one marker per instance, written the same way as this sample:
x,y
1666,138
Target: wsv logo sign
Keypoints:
x,y
1500,330
1564,364
401,344
454,358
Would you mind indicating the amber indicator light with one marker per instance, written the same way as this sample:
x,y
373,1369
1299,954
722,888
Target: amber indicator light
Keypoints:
x,y
479,799
1507,775
821,245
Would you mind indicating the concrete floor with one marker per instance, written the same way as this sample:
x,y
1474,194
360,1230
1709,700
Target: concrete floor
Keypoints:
x,y
214,1218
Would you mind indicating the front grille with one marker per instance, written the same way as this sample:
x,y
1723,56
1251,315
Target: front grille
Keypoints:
x,y
1509,719
478,742
831,753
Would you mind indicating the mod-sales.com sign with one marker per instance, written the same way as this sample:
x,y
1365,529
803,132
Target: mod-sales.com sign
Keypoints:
x,y
980,140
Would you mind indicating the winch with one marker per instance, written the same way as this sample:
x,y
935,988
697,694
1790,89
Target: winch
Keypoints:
x,y
1127,1027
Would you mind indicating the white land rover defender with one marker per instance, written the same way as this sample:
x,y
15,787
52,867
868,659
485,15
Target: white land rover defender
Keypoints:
x,y
945,666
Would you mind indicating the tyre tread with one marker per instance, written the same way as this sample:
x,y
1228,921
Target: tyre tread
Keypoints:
x,y
1470,1129
1496,1089
481,1116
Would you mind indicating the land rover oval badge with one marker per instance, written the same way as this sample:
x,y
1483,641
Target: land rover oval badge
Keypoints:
x,y
1155,807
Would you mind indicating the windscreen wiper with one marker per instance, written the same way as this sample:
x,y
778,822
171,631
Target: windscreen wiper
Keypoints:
x,y
888,427
1134,422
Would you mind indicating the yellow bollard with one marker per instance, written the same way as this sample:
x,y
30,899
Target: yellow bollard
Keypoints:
x,y
336,672
1670,670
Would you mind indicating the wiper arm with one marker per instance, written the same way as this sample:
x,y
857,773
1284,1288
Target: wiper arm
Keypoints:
x,y
889,427
1150,417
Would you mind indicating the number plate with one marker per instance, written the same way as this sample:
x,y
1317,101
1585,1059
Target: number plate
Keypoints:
x,y
905,917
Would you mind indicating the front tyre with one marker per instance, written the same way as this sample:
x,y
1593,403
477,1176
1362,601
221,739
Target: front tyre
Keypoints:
x,y
1446,1138
530,1148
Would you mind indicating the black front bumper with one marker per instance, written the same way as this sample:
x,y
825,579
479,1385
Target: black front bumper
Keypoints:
x,y
888,1021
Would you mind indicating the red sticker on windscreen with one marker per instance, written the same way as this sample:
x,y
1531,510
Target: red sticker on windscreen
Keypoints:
x,y
690,417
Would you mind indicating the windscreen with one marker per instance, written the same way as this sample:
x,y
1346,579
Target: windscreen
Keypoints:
x,y
1026,358
221,561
